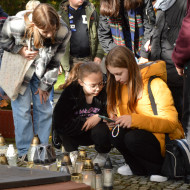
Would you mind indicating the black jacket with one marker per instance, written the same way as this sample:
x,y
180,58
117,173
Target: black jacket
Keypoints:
x,y
164,35
66,116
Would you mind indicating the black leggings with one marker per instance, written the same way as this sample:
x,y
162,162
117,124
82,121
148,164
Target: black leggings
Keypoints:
x,y
98,135
140,149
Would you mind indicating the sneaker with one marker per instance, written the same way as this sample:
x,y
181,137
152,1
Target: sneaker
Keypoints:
x,y
158,178
73,156
22,161
100,158
124,170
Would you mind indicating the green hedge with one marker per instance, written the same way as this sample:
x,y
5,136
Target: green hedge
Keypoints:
x,y
14,6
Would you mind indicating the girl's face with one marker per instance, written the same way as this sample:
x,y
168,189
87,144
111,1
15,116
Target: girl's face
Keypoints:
x,y
76,3
120,74
92,84
46,33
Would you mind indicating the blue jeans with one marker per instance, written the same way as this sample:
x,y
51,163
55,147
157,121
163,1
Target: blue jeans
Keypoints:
x,y
42,118
51,96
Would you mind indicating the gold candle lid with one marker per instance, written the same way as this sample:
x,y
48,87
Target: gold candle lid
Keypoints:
x,y
76,177
3,159
2,140
88,165
66,158
35,141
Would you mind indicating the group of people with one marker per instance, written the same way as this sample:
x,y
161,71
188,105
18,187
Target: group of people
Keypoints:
x,y
128,33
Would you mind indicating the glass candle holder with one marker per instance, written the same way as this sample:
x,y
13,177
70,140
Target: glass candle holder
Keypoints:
x,y
76,177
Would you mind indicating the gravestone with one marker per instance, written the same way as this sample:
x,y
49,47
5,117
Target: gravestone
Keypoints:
x,y
12,177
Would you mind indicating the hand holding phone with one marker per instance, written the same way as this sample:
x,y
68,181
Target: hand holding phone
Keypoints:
x,y
106,118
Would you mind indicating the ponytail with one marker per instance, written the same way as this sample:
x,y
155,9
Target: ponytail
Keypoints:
x,y
80,71
73,75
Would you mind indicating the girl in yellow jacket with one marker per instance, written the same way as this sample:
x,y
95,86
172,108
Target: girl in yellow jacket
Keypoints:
x,y
141,137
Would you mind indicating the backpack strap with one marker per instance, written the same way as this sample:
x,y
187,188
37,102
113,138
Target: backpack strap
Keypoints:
x,y
151,97
153,104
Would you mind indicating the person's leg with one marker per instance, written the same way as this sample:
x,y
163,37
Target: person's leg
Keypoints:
x,y
177,93
186,102
141,151
174,81
100,138
71,143
99,135
42,114
23,121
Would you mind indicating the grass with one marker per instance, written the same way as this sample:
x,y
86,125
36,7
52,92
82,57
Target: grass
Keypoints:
x,y
60,80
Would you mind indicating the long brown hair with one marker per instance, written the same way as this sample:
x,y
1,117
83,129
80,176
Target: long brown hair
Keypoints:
x,y
122,57
44,17
82,70
112,7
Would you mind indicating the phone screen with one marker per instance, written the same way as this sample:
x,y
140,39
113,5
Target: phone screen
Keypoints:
x,y
106,118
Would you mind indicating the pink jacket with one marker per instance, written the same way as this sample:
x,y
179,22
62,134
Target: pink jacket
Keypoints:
x,y
181,52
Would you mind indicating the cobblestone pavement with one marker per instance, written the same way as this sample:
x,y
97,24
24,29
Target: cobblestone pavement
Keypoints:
x,y
133,182
136,182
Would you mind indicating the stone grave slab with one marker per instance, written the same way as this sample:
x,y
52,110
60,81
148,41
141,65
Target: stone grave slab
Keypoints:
x,y
13,177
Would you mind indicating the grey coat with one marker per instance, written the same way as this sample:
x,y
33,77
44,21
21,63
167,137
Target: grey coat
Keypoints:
x,y
47,63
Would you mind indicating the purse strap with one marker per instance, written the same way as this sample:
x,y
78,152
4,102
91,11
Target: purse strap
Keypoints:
x,y
153,104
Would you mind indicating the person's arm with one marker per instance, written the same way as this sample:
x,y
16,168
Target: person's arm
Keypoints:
x,y
99,51
181,51
167,119
105,35
50,76
64,120
149,19
9,33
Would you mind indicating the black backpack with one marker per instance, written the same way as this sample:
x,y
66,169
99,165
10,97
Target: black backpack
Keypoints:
x,y
177,158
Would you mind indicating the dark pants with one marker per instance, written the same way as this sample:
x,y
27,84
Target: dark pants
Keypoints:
x,y
186,99
174,81
99,136
140,149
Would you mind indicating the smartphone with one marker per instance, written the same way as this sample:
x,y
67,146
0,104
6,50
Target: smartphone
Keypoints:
x,y
106,118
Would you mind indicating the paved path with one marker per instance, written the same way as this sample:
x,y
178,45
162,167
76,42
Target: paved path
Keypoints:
x,y
133,182
136,182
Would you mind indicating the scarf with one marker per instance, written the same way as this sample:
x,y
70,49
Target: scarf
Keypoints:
x,y
135,24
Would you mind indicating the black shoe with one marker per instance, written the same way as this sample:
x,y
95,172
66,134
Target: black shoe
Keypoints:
x,y
56,141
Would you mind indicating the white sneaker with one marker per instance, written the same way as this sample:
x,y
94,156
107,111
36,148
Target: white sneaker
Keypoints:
x,y
73,156
100,158
158,178
124,170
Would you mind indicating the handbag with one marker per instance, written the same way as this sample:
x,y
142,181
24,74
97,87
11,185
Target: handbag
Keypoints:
x,y
177,158
12,72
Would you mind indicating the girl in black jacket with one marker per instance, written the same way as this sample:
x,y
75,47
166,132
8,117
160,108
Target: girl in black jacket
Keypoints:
x,y
75,117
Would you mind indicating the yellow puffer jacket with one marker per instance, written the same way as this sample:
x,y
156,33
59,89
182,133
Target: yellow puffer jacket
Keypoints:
x,y
167,119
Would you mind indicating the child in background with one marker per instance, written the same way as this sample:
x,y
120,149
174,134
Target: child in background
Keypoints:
x,y
83,20
75,117
30,6
48,36
141,138
126,23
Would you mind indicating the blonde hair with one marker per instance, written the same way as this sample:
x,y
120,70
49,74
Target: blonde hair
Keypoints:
x,y
44,17
32,4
